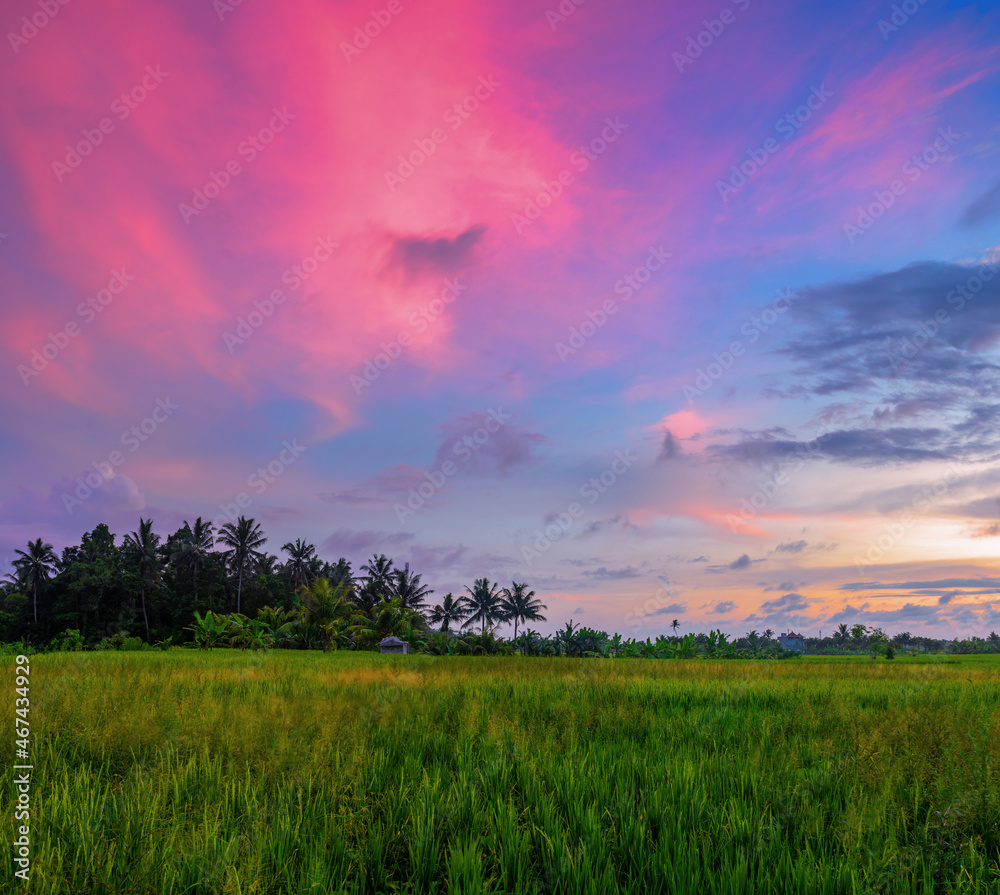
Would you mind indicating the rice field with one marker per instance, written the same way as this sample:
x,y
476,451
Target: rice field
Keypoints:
x,y
298,772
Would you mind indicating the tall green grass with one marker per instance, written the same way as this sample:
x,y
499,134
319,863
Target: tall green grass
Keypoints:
x,y
280,772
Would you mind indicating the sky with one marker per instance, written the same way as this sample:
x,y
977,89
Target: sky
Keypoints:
x,y
670,310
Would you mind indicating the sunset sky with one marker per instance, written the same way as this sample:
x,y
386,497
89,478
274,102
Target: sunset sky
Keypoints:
x,y
671,310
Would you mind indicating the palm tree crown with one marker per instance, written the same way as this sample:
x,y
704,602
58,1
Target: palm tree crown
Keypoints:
x,y
451,610
409,590
243,540
485,604
300,562
144,546
35,565
519,605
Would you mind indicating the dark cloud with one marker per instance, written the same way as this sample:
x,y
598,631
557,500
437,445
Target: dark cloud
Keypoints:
x,y
742,562
605,574
701,558
783,586
348,541
987,584
724,608
417,255
791,547
470,443
599,525
672,609
792,602
907,352
670,449
985,208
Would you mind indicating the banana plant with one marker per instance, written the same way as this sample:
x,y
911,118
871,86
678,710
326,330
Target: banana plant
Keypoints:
x,y
208,631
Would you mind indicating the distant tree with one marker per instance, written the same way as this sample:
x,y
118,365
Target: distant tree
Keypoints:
x,y
190,550
266,564
768,634
675,624
143,548
338,573
380,573
451,611
328,608
34,566
408,589
300,562
842,634
519,605
243,540
485,604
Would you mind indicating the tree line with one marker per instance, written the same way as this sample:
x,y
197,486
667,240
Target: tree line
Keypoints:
x,y
223,588
163,590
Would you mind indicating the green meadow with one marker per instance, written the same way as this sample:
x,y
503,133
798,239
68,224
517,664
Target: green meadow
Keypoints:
x,y
299,772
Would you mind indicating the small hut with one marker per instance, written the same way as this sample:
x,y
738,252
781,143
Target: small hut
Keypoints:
x,y
393,645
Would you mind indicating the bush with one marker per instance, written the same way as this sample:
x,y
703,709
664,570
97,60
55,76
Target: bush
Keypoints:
x,y
69,641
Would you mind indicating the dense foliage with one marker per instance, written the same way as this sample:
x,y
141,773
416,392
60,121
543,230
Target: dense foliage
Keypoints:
x,y
223,589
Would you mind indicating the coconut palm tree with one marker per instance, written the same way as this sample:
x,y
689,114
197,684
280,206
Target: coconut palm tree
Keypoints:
x,y
300,562
485,604
192,548
409,590
450,611
842,633
143,545
675,625
34,566
768,634
338,573
266,564
380,574
520,605
243,540
327,607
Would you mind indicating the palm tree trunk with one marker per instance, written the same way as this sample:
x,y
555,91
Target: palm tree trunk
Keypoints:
x,y
239,589
145,617
194,579
36,601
